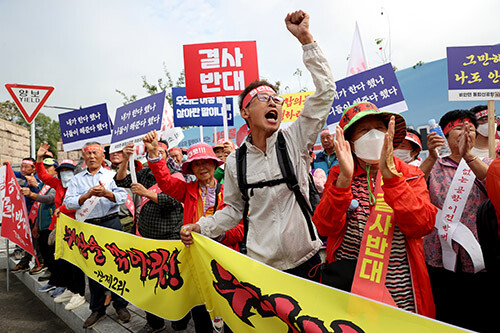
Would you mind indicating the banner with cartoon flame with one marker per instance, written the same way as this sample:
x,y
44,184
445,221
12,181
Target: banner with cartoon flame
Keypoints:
x,y
168,279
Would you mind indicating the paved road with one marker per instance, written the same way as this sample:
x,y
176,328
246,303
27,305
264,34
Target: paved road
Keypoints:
x,y
21,311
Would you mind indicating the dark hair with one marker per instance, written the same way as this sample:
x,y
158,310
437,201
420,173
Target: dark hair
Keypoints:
x,y
164,142
252,86
457,114
414,146
479,108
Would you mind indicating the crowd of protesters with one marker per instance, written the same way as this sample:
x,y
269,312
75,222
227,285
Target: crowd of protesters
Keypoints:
x,y
251,200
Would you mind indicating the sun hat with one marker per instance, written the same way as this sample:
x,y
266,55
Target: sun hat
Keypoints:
x,y
357,111
50,162
67,163
199,151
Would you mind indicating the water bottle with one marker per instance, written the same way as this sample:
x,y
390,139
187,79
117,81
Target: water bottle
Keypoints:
x,y
444,150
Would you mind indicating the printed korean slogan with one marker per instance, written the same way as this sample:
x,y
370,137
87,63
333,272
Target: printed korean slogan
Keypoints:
x,y
84,125
378,85
293,105
15,224
168,279
473,73
219,69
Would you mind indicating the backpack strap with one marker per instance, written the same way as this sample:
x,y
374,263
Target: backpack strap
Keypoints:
x,y
217,192
241,173
292,183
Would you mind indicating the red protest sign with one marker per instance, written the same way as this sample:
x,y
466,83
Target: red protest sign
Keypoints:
x,y
29,99
15,224
219,69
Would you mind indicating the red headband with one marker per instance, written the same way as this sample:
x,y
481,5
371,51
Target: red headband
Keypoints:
x,y
254,92
162,145
413,138
482,114
455,123
30,162
93,148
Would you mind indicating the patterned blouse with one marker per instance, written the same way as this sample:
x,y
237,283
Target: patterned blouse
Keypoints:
x,y
439,182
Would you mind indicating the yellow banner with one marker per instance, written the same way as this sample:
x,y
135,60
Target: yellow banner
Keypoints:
x,y
294,103
168,279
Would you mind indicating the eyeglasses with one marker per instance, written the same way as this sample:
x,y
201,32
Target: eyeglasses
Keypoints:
x,y
266,98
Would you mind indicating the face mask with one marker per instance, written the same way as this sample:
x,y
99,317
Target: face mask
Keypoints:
x,y
403,154
483,129
369,146
66,176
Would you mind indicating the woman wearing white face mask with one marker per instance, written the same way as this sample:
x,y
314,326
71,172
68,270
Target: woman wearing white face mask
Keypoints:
x,y
375,249
409,149
64,274
481,146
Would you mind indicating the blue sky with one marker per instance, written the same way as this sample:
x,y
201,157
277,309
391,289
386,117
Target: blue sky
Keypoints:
x,y
87,49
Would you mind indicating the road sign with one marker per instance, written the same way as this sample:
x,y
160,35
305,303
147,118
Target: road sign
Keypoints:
x,y
29,99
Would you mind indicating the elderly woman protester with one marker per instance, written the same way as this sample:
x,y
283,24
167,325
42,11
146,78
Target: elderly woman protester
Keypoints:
x,y
452,251
200,198
375,210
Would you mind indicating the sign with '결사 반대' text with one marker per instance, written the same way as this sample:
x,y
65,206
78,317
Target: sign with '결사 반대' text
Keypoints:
x,y
219,69
473,73
378,85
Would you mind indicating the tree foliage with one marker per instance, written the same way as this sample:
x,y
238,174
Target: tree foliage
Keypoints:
x,y
46,129
162,84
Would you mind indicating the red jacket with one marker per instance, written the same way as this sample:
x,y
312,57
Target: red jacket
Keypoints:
x,y
188,193
413,212
493,187
56,184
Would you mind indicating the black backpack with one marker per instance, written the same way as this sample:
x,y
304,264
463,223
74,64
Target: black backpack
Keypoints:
x,y
487,233
307,206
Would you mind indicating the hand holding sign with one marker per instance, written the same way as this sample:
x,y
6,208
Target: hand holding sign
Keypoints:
x,y
298,24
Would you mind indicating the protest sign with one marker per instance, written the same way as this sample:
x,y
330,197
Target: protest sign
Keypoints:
x,y
473,73
293,105
29,99
134,120
205,111
378,85
250,296
219,69
83,125
15,224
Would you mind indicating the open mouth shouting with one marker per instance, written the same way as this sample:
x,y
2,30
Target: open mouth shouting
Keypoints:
x,y
272,116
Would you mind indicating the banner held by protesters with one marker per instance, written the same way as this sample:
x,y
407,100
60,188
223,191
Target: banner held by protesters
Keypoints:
x,y
248,295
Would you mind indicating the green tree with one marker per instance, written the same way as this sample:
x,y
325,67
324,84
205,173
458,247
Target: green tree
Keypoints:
x,y
46,129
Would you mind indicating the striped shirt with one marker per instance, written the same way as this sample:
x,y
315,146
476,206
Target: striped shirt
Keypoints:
x,y
398,280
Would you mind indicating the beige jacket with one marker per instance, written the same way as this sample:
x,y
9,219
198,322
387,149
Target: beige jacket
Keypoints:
x,y
277,232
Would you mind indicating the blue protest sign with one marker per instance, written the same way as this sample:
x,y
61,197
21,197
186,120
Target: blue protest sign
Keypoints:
x,y
84,125
473,73
199,112
378,85
134,120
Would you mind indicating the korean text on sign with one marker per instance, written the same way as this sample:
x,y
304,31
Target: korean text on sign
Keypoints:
x,y
83,125
293,105
134,120
473,73
378,86
219,69
205,111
